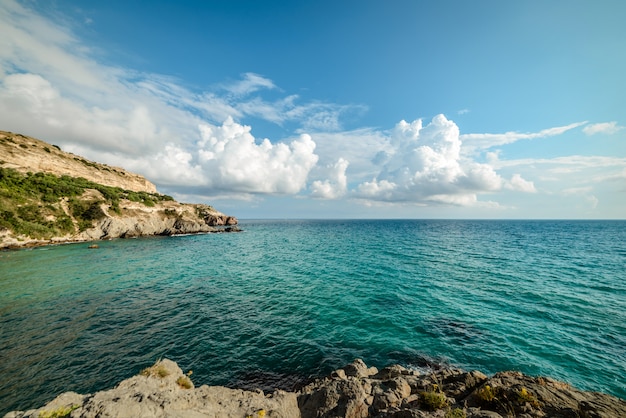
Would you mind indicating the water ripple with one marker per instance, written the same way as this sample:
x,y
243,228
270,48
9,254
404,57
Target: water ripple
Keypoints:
x,y
289,300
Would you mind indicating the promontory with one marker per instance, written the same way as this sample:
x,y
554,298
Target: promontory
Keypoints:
x,y
48,196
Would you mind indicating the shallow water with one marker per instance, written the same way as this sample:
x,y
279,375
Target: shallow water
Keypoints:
x,y
286,300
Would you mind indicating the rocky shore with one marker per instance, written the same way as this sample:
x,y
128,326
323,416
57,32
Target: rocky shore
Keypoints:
x,y
354,391
136,220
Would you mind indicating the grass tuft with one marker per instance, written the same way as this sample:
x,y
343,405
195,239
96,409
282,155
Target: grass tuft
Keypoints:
x,y
158,370
455,413
60,412
184,382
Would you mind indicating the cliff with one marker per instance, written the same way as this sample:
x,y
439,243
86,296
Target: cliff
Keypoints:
x,y
49,196
26,154
354,391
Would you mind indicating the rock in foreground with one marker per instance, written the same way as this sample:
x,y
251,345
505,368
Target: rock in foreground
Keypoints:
x,y
354,391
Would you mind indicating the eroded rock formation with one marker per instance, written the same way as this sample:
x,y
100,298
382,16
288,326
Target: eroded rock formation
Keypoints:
x,y
356,391
24,153
114,203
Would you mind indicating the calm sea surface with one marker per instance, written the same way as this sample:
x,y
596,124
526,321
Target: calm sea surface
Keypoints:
x,y
286,300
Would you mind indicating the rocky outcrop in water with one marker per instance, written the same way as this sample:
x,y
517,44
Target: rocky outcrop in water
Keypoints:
x,y
356,391
133,219
167,218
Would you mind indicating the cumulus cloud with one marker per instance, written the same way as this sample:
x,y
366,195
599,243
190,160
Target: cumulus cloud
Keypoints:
x,y
517,183
55,87
336,184
608,128
30,103
234,161
424,164
52,86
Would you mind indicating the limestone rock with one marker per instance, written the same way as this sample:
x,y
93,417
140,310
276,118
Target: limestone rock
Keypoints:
x,y
164,391
25,154
355,391
335,398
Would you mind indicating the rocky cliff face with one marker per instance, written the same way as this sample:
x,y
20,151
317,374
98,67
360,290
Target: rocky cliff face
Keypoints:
x,y
132,219
65,198
355,391
25,154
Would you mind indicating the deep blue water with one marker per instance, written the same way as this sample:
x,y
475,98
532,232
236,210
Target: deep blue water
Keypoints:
x,y
286,300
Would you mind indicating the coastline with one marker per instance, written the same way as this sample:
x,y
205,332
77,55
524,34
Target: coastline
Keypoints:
x,y
27,243
163,219
354,391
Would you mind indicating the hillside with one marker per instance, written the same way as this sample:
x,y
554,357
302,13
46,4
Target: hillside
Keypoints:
x,y
50,196
26,154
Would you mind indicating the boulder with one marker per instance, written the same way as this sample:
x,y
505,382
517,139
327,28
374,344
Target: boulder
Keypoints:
x,y
354,391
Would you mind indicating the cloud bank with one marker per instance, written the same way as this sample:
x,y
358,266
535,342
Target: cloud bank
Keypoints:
x,y
55,87
425,165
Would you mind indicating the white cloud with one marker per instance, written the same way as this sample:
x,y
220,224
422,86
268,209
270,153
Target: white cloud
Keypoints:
x,y
53,87
517,183
249,84
337,182
424,164
382,190
232,160
593,201
486,140
608,128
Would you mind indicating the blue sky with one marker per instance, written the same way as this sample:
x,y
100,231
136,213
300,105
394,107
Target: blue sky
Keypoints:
x,y
328,109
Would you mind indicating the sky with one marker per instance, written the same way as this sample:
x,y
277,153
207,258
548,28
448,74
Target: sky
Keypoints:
x,y
334,109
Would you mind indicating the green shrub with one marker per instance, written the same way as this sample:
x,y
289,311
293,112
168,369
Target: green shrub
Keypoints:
x,y
22,195
455,413
30,213
433,400
487,393
64,224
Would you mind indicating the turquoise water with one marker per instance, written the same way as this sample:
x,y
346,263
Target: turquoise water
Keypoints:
x,y
287,300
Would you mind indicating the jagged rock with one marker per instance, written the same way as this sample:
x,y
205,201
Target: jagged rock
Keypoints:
x,y
538,397
355,391
335,398
357,368
390,372
164,391
390,394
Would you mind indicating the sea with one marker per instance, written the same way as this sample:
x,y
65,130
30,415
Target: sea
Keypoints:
x,y
285,301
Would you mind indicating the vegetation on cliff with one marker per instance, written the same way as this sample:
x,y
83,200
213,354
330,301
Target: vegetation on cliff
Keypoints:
x,y
42,205
48,195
